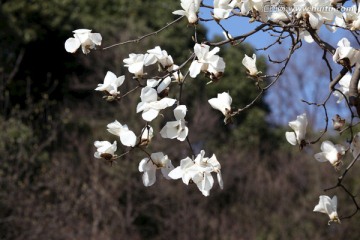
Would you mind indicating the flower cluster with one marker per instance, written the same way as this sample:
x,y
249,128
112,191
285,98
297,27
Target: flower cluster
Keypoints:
x,y
300,19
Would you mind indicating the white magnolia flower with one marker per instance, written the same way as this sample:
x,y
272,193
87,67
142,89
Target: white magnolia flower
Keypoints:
x,y
348,19
344,87
191,9
250,64
328,206
355,145
346,52
83,38
111,83
147,133
165,61
160,85
199,171
299,126
149,104
223,8
207,61
304,34
313,11
127,137
222,103
330,152
105,149
148,167
246,6
176,129
136,63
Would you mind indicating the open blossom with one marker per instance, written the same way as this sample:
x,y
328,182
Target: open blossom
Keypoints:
x,y
191,9
344,87
83,38
176,129
160,85
246,6
328,206
127,137
313,11
222,103
136,63
199,171
223,8
330,152
346,53
105,149
250,64
149,166
207,61
149,104
164,60
299,126
348,19
111,83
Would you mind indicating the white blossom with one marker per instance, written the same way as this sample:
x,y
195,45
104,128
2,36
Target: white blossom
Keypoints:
x,y
160,85
207,61
83,38
246,6
316,12
176,129
250,64
136,63
349,19
149,166
345,52
149,104
105,149
199,171
111,83
328,206
165,61
222,103
191,9
223,8
330,152
299,126
344,87
127,137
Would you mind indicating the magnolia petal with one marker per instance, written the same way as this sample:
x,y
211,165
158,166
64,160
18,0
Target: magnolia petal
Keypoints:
x,y
180,112
170,130
321,157
72,44
220,180
176,173
128,138
291,138
183,134
142,164
149,177
195,68
150,114
96,38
